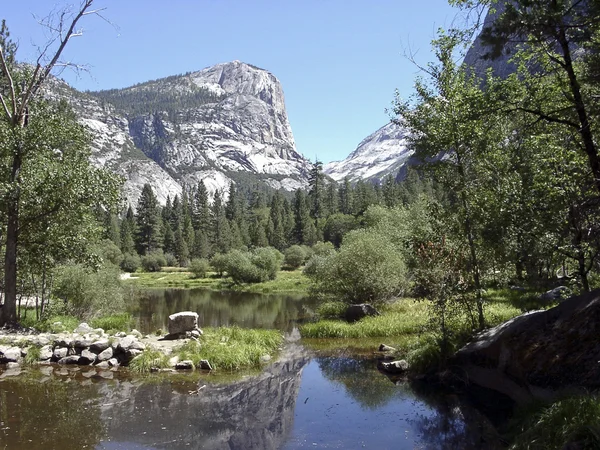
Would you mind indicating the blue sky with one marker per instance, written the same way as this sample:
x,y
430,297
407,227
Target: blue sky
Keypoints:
x,y
339,61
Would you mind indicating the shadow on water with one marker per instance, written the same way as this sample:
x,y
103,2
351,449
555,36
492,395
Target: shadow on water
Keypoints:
x,y
283,312
296,402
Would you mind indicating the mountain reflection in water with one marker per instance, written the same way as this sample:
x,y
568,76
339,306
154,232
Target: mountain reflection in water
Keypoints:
x,y
297,402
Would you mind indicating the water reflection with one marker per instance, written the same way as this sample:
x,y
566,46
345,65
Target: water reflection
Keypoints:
x,y
294,403
282,312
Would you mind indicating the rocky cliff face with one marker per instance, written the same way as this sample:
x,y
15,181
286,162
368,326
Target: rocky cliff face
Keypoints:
x,y
476,56
378,155
206,125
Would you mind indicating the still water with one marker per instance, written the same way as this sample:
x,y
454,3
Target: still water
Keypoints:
x,y
303,400
298,402
274,311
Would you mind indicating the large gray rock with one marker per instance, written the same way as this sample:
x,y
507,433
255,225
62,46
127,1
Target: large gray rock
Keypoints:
x,y
182,321
538,355
100,345
106,354
130,342
393,367
9,354
60,352
357,312
45,353
87,355
74,359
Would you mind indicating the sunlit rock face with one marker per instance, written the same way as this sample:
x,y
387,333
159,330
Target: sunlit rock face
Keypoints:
x,y
253,413
383,152
206,125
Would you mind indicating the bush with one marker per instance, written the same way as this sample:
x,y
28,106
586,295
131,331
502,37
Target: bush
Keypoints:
x,y
130,263
199,267
294,256
153,262
109,252
260,265
219,263
366,269
268,261
241,269
323,249
171,260
88,293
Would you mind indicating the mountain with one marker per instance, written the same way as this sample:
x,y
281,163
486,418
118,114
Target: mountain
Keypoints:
x,y
383,152
211,125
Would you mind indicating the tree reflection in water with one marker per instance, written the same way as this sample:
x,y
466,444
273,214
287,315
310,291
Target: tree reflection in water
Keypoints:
x,y
282,312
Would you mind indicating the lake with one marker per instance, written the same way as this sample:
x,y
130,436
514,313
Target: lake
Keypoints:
x,y
302,400
274,311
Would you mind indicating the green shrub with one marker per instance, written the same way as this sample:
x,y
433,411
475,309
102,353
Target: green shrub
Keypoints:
x,y
153,262
130,263
87,293
323,249
219,263
366,269
268,260
171,260
241,269
109,252
199,267
294,256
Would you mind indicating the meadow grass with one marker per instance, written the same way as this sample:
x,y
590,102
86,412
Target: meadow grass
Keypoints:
x,y
405,316
286,282
149,360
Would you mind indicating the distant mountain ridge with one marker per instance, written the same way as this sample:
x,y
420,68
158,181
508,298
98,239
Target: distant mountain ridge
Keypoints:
x,y
378,155
204,125
384,152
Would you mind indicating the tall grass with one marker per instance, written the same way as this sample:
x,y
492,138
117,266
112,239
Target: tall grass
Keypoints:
x,y
232,348
574,420
226,349
114,322
406,316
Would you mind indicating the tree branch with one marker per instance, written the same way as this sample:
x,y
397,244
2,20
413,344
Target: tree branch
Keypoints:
x,y
45,71
11,84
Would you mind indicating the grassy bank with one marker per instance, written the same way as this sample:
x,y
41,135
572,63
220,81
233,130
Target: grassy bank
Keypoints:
x,y
226,348
405,325
286,282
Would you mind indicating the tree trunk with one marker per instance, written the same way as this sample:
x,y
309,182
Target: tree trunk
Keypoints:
x,y
585,130
9,311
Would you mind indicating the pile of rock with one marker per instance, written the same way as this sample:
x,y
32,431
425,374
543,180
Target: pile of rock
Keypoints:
x,y
85,346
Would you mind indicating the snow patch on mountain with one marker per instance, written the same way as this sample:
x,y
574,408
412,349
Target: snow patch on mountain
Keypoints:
x,y
378,155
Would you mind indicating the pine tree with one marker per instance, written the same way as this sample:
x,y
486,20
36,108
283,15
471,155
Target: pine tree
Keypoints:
x,y
128,232
148,220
